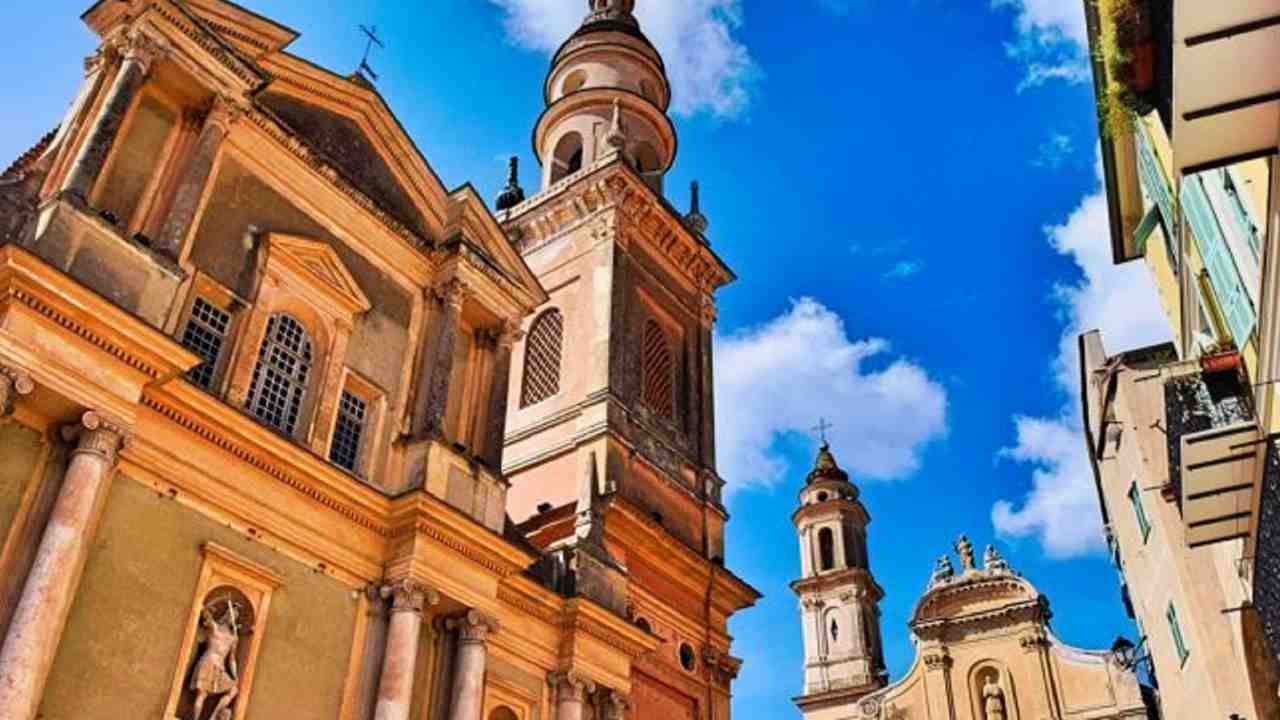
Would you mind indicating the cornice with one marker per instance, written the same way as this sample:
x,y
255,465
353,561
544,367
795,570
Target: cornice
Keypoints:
x,y
423,514
611,184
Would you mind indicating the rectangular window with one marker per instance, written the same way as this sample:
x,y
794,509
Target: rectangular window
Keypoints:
x,y
1175,628
205,336
1144,524
348,432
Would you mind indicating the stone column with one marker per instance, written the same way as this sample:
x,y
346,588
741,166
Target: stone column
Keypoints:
x,y
138,52
467,697
13,384
37,623
612,705
186,198
499,383
438,363
400,659
571,690
707,412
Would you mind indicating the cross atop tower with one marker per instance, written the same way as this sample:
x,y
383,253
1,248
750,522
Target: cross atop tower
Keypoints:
x,y
821,429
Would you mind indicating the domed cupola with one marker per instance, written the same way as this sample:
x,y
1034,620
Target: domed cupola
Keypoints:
x,y
607,93
827,482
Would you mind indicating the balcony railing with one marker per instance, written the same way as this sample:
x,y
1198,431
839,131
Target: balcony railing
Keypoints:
x,y
1212,449
1266,582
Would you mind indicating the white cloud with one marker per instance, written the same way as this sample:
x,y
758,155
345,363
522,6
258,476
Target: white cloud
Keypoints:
x,y
1054,151
1061,507
778,378
710,69
1052,42
904,269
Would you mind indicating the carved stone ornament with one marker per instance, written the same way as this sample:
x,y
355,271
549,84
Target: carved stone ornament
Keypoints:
x,y
993,699
964,549
13,384
993,561
140,47
1033,641
97,435
224,112
940,660
571,685
473,627
408,596
453,293
869,707
613,705
508,334
942,571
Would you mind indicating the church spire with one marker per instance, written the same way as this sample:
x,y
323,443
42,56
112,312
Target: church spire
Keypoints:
x,y
695,220
512,195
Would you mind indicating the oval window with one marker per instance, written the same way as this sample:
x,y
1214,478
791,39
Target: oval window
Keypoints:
x,y
688,660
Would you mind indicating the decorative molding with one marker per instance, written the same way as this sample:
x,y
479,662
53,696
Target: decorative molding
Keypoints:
x,y
96,435
407,595
473,627
116,351
570,685
13,384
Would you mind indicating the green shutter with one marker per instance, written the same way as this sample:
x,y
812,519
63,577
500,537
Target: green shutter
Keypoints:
x,y
1140,512
1175,629
1156,186
1206,233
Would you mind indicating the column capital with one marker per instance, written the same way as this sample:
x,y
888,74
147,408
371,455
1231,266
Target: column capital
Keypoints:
x,y
223,113
407,595
938,660
508,333
473,627
140,47
13,384
571,685
98,435
454,292
613,705
709,313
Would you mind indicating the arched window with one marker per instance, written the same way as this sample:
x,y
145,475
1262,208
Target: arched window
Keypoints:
x,y
542,358
503,713
574,82
826,549
280,377
568,156
657,371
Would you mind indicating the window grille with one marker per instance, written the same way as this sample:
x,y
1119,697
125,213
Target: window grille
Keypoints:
x,y
280,377
204,336
542,358
348,432
658,370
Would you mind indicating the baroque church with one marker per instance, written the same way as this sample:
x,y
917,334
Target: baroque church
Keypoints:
x,y
293,429
984,648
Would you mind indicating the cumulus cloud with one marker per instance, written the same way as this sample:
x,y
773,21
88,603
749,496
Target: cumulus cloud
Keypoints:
x,y
775,379
711,71
1061,508
1052,41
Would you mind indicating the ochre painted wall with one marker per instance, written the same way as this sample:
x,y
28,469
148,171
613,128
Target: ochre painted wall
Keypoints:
x,y
20,447
120,648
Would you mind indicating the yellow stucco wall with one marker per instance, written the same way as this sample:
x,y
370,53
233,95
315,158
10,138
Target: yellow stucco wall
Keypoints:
x,y
20,447
120,648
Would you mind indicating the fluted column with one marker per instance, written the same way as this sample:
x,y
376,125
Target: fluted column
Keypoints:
x,y
138,52
571,690
467,697
13,384
499,383
37,623
186,199
400,659
438,366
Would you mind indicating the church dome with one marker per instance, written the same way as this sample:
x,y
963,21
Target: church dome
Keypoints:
x,y
826,468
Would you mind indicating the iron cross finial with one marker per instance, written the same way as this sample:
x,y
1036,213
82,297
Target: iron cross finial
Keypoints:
x,y
821,428
370,32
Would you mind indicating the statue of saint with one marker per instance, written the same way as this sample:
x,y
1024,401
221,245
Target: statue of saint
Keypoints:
x,y
993,700
964,549
216,672
942,571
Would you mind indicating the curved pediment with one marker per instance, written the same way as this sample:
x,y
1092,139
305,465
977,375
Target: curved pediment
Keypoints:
x,y
986,597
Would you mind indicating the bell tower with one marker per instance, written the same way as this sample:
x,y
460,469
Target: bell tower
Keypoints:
x,y
610,434
607,93
839,598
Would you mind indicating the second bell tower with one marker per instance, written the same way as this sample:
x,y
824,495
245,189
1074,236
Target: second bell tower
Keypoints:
x,y
839,598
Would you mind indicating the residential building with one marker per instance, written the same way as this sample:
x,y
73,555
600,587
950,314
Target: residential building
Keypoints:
x,y
984,647
1181,438
291,429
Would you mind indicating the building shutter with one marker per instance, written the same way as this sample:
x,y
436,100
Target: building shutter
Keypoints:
x,y
1224,276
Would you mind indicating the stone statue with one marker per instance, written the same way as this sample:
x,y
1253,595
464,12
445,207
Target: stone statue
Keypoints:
x,y
992,560
216,672
993,700
942,571
964,549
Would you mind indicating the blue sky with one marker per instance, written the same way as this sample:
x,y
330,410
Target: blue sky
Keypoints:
x,y
908,191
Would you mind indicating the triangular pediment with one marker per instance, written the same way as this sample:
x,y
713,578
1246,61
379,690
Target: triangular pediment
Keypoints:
x,y
469,219
318,263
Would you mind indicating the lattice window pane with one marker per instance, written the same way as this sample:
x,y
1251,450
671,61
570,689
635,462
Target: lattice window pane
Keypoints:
x,y
657,372
348,432
204,336
542,358
280,377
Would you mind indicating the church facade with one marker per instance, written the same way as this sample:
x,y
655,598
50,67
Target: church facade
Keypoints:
x,y
292,429
984,648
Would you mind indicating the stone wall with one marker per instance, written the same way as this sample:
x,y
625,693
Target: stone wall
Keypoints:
x,y
120,649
